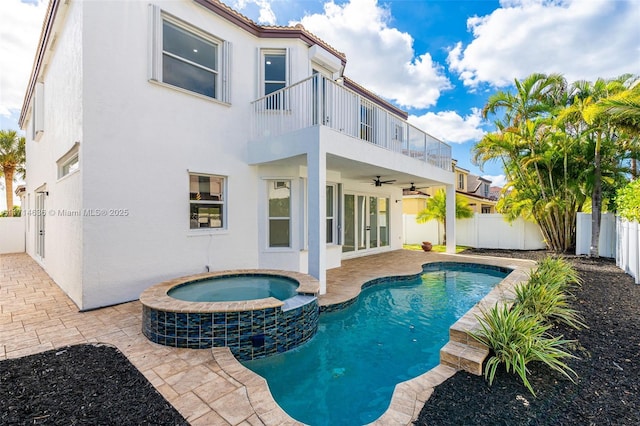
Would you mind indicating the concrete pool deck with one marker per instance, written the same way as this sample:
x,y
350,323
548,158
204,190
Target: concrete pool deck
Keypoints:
x,y
35,316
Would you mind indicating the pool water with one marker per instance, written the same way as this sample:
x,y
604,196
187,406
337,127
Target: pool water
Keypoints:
x,y
234,288
346,374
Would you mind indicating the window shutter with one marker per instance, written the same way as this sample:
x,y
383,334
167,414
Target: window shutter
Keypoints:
x,y
226,72
155,43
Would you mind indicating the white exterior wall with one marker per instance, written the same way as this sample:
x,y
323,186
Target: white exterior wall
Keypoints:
x,y
12,235
63,119
142,163
138,141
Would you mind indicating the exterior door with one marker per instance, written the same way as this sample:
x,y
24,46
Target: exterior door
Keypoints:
x,y
39,224
366,221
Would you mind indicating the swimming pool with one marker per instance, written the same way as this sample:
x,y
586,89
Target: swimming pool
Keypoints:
x,y
346,374
236,288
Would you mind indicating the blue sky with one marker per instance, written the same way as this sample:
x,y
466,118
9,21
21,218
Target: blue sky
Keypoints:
x,y
437,59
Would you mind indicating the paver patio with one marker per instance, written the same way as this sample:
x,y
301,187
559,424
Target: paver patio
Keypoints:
x,y
207,387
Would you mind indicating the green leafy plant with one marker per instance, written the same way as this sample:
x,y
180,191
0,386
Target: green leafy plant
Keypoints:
x,y
516,339
546,295
628,201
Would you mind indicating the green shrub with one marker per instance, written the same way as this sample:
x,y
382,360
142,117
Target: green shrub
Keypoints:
x,y
17,212
560,272
516,339
628,201
546,297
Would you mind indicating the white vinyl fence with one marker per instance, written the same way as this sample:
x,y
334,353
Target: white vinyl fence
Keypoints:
x,y
481,231
607,240
11,235
628,247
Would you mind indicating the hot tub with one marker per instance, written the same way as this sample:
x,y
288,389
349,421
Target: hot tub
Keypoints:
x,y
250,320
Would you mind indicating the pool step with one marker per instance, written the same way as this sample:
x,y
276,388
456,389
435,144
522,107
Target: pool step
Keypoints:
x,y
463,357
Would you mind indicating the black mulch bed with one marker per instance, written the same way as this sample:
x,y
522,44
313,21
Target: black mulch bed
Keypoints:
x,y
607,391
80,385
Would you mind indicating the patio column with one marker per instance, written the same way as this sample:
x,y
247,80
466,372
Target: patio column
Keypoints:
x,y
451,218
317,215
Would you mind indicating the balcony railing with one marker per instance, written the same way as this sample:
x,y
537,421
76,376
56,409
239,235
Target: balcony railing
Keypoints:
x,y
320,101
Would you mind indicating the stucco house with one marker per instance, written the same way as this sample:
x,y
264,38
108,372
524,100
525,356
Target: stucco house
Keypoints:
x,y
168,138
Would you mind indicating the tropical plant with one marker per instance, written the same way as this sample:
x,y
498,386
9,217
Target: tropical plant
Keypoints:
x,y
17,212
516,339
437,209
544,298
12,161
557,153
628,201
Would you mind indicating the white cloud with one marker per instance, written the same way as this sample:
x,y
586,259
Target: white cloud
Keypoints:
x,y
450,127
379,57
265,12
580,39
498,180
19,35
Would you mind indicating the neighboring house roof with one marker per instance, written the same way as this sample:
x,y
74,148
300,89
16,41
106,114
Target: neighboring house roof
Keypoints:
x,y
494,192
474,182
475,196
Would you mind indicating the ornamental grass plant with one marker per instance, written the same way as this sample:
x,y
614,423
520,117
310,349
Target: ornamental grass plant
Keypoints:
x,y
517,338
521,334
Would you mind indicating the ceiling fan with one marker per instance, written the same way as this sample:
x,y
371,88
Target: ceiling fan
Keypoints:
x,y
413,188
378,182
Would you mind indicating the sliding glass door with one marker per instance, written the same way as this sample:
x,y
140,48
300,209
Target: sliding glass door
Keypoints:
x,y
366,220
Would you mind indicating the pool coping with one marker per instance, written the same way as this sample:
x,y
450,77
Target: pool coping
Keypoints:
x,y
409,396
156,297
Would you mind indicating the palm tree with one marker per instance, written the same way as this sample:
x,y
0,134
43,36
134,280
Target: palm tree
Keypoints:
x,y
596,132
12,159
437,209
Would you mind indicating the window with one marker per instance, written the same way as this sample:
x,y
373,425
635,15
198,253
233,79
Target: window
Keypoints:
x,y
274,76
485,190
366,121
206,201
70,162
279,192
189,58
331,214
461,181
189,61
486,209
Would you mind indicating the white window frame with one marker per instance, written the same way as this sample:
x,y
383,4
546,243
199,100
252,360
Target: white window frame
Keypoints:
x,y
263,80
222,202
65,163
334,215
223,52
277,184
461,181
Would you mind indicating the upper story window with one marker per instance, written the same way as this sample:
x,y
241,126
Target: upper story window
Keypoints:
x,y
189,58
485,190
461,181
274,71
206,201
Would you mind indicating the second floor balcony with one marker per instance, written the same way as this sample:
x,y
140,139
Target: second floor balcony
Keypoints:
x,y
319,101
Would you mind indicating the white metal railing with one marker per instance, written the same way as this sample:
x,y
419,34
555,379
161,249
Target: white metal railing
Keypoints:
x,y
318,100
